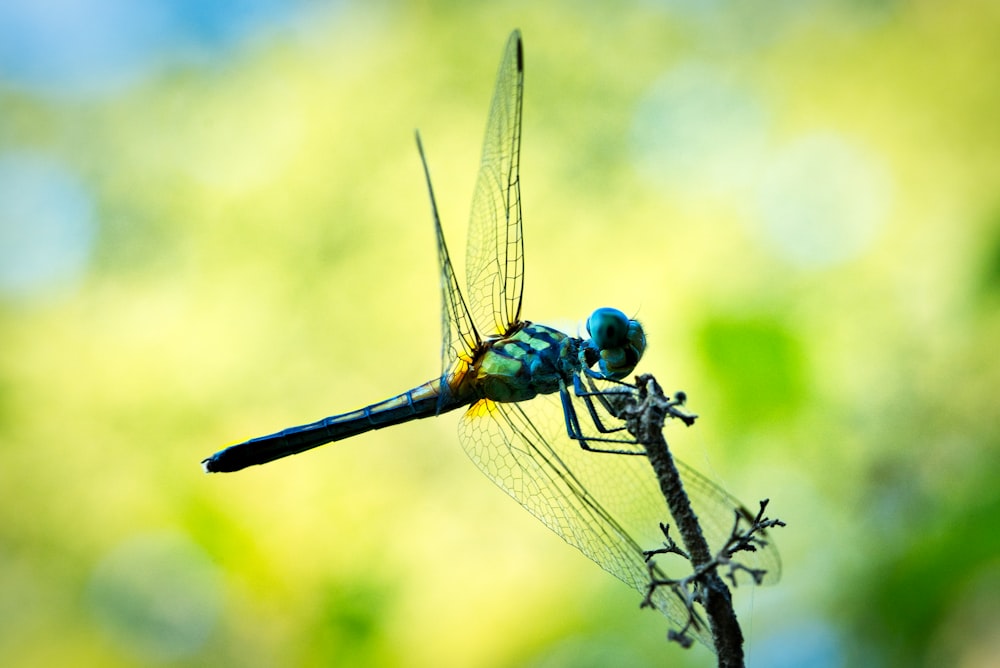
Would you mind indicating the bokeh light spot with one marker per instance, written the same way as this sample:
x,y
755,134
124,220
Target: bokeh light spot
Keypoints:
x,y
809,642
989,280
696,129
47,225
757,363
157,595
822,200
87,47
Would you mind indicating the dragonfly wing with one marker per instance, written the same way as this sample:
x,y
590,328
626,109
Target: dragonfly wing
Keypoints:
x,y
607,506
495,253
716,509
459,338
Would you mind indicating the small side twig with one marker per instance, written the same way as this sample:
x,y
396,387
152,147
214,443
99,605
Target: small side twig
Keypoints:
x,y
749,540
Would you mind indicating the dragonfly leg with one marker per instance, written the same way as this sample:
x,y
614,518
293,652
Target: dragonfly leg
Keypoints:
x,y
604,396
576,433
588,397
610,402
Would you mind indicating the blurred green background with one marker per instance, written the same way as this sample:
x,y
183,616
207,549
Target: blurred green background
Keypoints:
x,y
213,225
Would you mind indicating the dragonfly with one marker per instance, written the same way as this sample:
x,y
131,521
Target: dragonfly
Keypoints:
x,y
533,422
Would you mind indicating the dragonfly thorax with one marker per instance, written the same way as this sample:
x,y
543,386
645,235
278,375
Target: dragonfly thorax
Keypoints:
x,y
533,360
616,343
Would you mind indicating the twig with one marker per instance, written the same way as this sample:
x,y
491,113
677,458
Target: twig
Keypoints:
x,y
705,586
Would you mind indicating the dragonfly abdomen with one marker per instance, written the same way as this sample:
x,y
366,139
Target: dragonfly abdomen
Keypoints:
x,y
422,401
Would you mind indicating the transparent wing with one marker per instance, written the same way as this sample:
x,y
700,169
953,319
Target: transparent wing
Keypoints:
x,y
715,507
608,506
495,253
460,340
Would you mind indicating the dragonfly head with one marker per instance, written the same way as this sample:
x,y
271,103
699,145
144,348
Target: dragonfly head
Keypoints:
x,y
616,342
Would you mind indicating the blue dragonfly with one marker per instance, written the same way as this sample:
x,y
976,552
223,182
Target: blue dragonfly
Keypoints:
x,y
534,420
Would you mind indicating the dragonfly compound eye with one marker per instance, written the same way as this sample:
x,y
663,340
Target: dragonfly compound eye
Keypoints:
x,y
636,338
608,328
